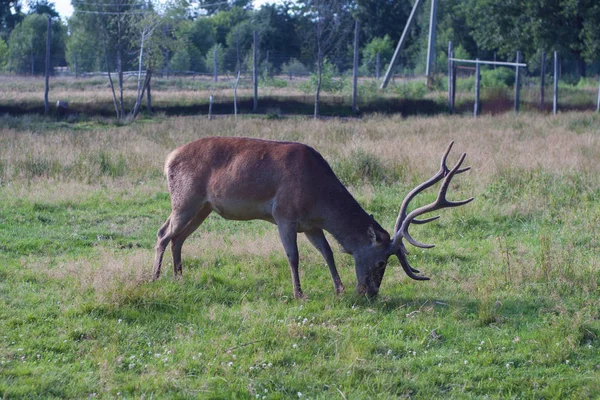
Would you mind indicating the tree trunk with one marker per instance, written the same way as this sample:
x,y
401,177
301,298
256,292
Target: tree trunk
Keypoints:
x,y
318,89
148,93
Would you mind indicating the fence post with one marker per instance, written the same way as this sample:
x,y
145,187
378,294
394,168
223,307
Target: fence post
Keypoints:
x,y
377,66
76,66
477,106
598,101
267,65
450,66
454,68
517,83
46,105
215,70
542,80
555,99
355,68
255,71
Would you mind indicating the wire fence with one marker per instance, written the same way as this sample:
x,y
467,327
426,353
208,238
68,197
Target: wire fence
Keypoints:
x,y
497,83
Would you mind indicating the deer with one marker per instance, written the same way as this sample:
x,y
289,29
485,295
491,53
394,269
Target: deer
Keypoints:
x,y
292,186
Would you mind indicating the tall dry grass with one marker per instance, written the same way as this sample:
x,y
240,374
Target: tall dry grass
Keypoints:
x,y
567,144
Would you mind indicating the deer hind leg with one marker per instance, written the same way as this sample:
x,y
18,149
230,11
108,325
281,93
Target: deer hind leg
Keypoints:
x,y
178,238
317,238
289,236
161,245
175,225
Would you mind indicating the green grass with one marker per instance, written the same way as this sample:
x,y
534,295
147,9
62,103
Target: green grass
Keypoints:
x,y
512,310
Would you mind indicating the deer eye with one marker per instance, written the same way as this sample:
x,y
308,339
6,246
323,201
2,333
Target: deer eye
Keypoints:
x,y
381,264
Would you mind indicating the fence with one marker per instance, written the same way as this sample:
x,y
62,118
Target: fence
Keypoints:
x,y
492,90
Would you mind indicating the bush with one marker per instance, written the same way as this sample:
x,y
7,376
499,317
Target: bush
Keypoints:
x,y
411,89
328,82
294,68
497,78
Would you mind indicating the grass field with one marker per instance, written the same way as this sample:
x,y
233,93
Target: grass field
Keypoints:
x,y
512,309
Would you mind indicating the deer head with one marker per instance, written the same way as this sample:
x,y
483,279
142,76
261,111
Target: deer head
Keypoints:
x,y
371,262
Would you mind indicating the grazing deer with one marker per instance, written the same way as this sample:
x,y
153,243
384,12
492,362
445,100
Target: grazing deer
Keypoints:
x,y
292,186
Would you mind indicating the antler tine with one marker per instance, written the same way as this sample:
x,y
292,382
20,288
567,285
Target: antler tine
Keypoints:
x,y
404,220
410,271
443,171
439,203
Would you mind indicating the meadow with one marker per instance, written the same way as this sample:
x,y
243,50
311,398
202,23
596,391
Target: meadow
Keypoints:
x,y
512,309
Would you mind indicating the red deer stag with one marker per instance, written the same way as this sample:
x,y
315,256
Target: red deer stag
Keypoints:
x,y
292,186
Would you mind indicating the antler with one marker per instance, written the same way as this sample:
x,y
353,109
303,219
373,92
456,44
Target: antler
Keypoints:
x,y
404,220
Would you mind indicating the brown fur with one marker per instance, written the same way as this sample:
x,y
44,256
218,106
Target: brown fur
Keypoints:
x,y
289,184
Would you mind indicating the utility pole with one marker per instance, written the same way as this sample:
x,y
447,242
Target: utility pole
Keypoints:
x,y
388,74
255,68
46,105
430,69
355,69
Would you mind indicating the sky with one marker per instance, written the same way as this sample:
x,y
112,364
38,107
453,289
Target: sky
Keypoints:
x,y
65,9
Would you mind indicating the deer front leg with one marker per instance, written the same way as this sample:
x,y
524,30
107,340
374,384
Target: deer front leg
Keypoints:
x,y
317,238
289,236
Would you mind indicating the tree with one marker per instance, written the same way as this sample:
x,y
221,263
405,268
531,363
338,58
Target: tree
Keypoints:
x,y
275,24
84,42
3,54
43,7
27,44
382,46
223,22
568,26
11,13
331,24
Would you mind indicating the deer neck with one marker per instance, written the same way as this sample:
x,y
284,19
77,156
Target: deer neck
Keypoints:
x,y
349,226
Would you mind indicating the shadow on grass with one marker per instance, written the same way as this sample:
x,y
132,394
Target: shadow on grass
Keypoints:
x,y
331,106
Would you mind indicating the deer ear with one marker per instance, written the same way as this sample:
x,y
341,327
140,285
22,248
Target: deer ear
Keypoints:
x,y
375,237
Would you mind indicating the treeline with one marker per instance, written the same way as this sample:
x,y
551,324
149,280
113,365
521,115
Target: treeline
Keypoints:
x,y
183,35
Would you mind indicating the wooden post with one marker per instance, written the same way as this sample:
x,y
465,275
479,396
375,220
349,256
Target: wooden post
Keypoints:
x,y
517,83
555,98
167,63
542,80
237,81
215,70
76,66
477,106
377,65
46,105
454,68
450,105
355,69
255,71
598,101
267,65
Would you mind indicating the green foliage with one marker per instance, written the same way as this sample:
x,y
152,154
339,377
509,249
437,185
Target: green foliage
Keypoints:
x,y
294,68
382,46
328,81
411,89
273,82
497,78
210,58
28,40
3,55
180,61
